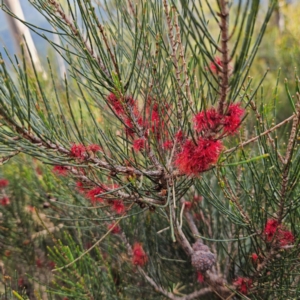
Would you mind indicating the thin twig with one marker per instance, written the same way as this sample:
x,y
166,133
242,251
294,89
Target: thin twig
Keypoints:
x,y
259,136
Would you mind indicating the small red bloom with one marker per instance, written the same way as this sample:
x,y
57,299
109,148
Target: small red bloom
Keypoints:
x,y
116,104
207,120
179,136
276,232
78,151
254,257
93,193
139,257
243,284
214,65
168,145
118,206
3,183
5,201
93,147
188,205
232,118
200,277
129,128
80,186
194,159
116,229
270,229
285,238
139,144
60,170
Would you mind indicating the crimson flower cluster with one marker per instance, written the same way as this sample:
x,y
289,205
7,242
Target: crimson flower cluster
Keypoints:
x,y
79,151
4,201
276,233
137,126
197,155
243,284
139,257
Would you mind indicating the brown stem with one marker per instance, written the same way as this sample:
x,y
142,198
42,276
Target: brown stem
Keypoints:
x,y
224,58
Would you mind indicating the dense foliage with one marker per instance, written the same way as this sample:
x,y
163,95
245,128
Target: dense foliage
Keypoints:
x,y
157,167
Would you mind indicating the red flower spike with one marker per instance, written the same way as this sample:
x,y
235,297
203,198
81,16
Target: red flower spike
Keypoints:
x,y
116,229
179,136
5,201
275,231
232,118
118,206
129,129
116,104
139,257
93,148
213,65
168,145
3,183
139,144
270,229
60,170
80,186
243,284
78,151
200,277
254,257
207,120
188,205
194,159
285,238
91,194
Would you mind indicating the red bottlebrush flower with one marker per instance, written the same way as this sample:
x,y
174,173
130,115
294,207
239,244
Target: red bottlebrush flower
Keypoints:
x,y
60,170
139,257
93,147
232,118
200,277
254,257
188,205
243,284
179,136
118,206
168,145
129,128
3,183
116,104
139,144
80,186
285,238
5,201
274,231
93,193
116,229
207,120
270,229
214,65
194,159
78,151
